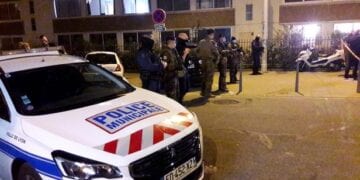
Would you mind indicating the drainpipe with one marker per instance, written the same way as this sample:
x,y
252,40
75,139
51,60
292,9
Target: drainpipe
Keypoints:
x,y
265,36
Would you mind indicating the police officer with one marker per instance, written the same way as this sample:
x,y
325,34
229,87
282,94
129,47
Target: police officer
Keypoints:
x,y
209,56
235,57
150,66
170,55
183,50
222,66
257,50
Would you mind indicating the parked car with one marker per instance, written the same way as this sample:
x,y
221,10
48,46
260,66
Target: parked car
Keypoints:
x,y
62,117
108,60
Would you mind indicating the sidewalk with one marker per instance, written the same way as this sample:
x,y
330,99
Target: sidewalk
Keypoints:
x,y
278,83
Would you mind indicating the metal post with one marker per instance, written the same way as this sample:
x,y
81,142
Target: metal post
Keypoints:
x,y
358,79
265,36
160,40
297,77
240,79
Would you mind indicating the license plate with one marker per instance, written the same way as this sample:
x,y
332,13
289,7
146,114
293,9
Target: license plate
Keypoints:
x,y
181,171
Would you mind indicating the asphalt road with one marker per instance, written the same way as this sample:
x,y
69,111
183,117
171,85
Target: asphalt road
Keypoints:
x,y
271,132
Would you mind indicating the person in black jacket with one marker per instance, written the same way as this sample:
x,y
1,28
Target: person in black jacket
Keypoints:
x,y
150,66
257,50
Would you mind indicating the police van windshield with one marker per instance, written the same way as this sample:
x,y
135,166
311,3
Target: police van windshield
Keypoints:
x,y
62,87
101,58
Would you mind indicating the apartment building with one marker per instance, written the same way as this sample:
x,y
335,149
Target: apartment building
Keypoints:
x,y
107,24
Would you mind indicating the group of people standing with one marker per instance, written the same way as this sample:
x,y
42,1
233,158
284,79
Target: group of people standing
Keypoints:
x,y
167,72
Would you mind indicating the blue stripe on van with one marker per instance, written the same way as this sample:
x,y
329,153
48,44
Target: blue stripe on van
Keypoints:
x,y
44,166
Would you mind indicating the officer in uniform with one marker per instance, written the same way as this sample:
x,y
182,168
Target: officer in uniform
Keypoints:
x,y
183,50
209,56
150,66
222,66
170,55
257,50
235,57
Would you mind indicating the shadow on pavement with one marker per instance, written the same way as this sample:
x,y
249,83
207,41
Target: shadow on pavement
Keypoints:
x,y
210,156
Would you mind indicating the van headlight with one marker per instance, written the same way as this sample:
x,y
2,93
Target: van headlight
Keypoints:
x,y
76,167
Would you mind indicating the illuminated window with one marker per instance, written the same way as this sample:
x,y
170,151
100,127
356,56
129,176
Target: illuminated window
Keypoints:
x,y
136,6
100,7
309,31
347,27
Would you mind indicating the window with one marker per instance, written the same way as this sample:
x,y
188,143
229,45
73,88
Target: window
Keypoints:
x,y
218,31
174,5
64,40
142,34
62,87
130,41
249,12
31,7
4,111
72,43
175,34
33,24
67,8
290,1
206,4
136,6
9,11
10,43
100,7
346,27
96,41
309,31
110,42
106,42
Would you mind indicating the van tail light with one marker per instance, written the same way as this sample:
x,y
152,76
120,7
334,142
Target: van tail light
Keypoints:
x,y
118,68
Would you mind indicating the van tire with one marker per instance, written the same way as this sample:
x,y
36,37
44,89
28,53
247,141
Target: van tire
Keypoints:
x,y
26,172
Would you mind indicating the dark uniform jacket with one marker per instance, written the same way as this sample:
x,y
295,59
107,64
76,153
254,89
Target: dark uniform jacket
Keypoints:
x,y
174,63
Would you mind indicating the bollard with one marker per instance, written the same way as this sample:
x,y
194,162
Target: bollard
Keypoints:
x,y
297,77
240,79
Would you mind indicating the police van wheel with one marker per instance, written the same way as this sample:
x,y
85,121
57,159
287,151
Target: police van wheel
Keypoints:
x,y
26,172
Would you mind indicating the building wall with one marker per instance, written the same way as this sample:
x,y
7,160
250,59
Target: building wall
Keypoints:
x,y
325,12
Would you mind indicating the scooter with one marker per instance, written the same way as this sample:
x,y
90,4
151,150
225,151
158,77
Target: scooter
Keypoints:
x,y
308,60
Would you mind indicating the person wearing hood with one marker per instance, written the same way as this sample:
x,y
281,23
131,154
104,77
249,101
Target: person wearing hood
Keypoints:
x,y
150,66
257,49
235,57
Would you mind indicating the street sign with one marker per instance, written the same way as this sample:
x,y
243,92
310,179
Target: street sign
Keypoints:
x,y
160,27
159,16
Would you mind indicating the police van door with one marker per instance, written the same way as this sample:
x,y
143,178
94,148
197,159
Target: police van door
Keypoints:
x,y
5,126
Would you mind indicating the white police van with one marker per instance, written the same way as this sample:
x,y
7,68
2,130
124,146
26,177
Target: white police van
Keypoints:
x,y
62,117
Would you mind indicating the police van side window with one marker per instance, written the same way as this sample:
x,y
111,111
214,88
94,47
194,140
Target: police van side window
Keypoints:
x,y
4,111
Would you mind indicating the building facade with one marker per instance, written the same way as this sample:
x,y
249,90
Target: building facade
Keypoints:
x,y
109,24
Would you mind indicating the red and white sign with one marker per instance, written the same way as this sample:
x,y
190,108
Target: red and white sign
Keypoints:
x,y
159,16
